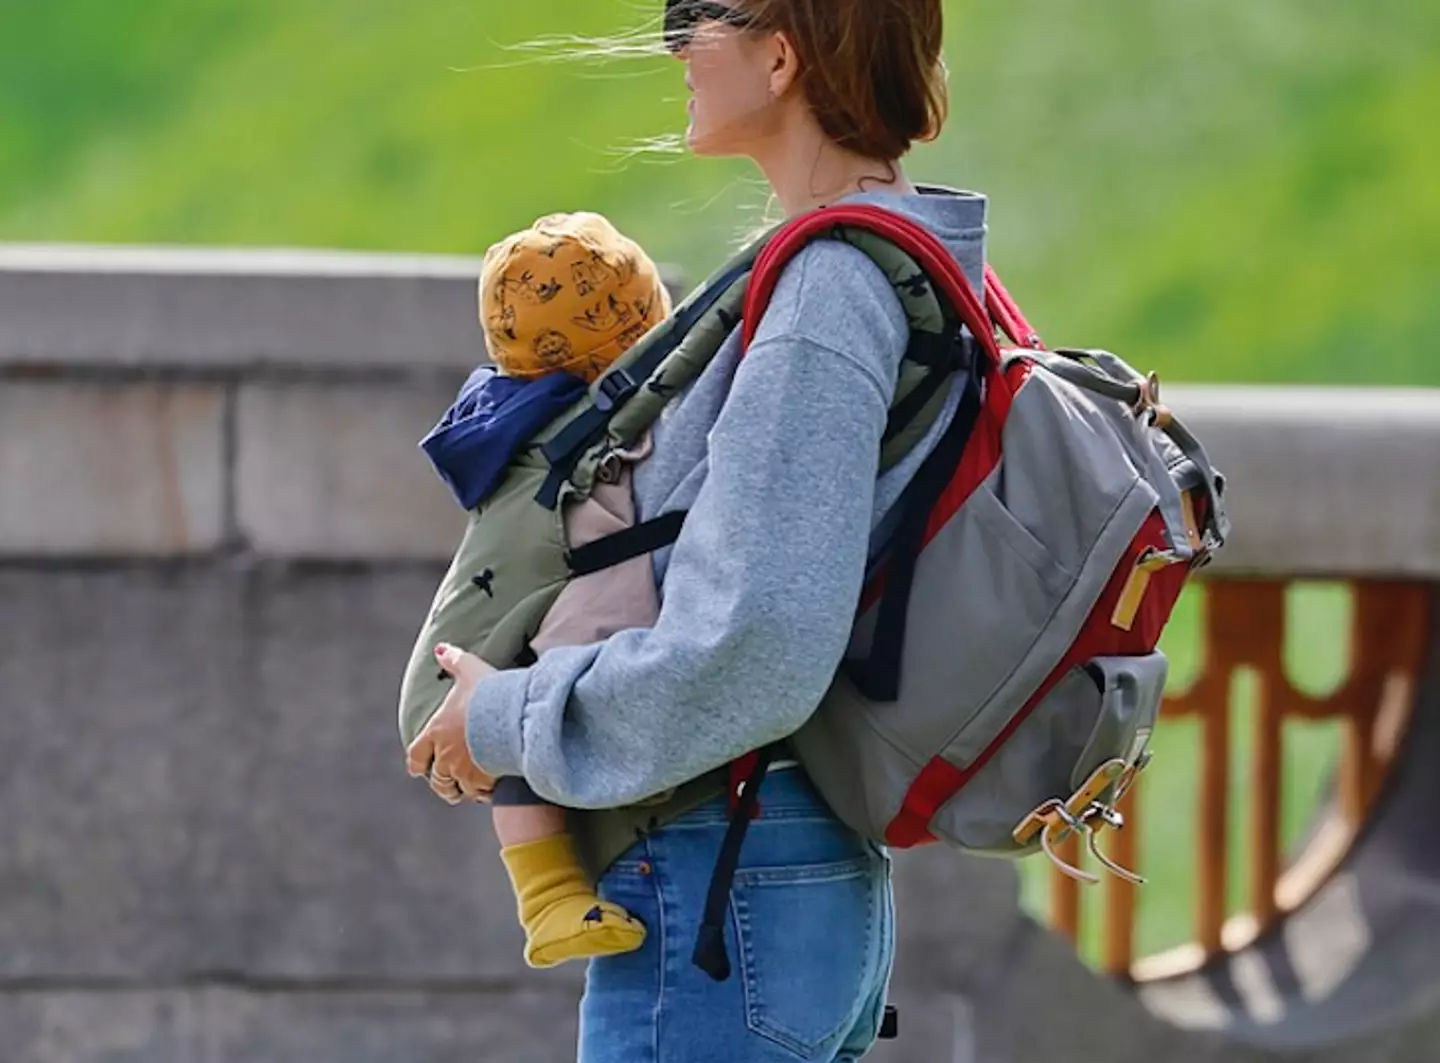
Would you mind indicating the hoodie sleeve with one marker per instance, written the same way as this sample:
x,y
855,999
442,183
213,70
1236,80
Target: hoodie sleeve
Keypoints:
x,y
763,583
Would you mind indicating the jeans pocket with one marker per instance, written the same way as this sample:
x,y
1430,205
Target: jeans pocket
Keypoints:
x,y
806,954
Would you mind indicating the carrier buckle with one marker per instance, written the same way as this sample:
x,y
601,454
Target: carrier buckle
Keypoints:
x,y
615,389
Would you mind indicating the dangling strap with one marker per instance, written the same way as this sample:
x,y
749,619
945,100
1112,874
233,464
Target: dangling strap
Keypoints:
x,y
710,954
878,675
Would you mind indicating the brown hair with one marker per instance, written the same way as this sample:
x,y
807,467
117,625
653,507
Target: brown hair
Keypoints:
x,y
871,70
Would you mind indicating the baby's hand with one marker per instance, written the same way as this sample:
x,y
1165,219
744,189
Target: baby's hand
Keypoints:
x,y
440,751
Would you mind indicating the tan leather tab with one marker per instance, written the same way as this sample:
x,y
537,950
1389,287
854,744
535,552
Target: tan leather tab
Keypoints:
x,y
1035,822
1095,785
1192,526
1131,595
1047,814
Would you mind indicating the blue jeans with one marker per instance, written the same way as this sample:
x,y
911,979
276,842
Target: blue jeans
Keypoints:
x,y
810,936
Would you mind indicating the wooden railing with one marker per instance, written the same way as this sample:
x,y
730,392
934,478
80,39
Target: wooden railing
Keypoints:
x,y
1244,629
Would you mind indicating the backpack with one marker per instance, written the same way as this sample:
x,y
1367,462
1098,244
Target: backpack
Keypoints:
x,y
1002,680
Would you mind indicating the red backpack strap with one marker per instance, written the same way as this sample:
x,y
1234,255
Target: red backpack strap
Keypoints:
x,y
1007,314
915,240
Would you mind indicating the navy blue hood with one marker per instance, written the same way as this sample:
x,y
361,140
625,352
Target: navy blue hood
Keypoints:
x,y
494,418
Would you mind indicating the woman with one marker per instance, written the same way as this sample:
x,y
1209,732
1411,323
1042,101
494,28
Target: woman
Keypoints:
x,y
776,457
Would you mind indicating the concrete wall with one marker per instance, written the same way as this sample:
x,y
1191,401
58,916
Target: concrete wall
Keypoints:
x,y
216,537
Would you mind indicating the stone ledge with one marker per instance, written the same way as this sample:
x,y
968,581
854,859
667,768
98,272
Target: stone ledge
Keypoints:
x,y
1324,481
212,310
221,787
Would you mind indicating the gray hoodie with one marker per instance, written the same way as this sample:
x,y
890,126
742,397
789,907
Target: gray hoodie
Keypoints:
x,y
776,457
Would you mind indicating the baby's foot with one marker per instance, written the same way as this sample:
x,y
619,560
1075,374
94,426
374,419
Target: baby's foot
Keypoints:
x,y
580,927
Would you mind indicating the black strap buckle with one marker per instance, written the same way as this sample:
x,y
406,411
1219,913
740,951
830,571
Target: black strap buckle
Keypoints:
x,y
616,387
890,1025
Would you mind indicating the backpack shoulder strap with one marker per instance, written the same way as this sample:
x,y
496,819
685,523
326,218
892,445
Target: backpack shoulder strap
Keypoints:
x,y
915,241
927,281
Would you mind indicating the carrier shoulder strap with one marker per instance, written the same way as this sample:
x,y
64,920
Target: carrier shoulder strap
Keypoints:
x,y
628,398
682,346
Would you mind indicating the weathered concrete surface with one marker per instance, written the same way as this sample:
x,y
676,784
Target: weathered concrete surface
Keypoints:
x,y
1334,481
228,309
334,471
91,469
209,840
230,1025
205,776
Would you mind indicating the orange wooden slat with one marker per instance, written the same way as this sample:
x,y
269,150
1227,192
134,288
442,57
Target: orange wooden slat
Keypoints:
x,y
1122,847
1266,769
1245,627
1212,856
1065,891
1354,765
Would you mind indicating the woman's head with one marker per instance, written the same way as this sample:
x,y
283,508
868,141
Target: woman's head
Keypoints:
x,y
868,72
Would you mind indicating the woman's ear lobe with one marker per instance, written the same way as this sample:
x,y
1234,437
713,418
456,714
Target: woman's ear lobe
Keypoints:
x,y
784,68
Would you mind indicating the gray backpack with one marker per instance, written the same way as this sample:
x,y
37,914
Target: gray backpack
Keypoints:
x,y
1003,679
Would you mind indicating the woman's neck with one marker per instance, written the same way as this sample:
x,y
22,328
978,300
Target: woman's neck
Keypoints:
x,y
806,169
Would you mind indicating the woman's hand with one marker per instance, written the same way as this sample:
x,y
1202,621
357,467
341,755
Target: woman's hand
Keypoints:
x,y
440,751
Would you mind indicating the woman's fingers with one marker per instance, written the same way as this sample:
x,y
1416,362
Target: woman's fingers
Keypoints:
x,y
440,752
445,788
470,785
420,755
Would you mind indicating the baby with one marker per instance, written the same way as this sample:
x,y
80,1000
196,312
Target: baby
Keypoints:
x,y
559,302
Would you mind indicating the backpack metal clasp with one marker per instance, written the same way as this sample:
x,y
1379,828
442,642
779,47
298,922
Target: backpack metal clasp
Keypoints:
x,y
1054,820
1149,402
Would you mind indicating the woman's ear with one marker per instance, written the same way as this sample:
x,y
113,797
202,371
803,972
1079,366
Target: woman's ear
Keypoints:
x,y
784,65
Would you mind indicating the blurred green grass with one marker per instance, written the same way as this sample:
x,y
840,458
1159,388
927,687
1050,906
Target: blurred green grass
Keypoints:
x,y
1226,191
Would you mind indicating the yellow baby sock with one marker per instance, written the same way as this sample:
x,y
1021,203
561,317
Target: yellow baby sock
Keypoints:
x,y
563,917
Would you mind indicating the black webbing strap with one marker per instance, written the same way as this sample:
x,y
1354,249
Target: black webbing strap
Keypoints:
x,y
878,675
942,356
563,452
629,542
935,349
615,387
710,955
612,391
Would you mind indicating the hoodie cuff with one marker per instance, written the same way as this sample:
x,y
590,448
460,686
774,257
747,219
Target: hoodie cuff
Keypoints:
x,y
495,720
